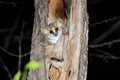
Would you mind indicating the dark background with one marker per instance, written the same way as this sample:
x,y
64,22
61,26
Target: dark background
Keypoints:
x,y
17,15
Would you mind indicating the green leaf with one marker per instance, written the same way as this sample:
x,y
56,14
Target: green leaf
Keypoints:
x,y
24,75
32,65
17,75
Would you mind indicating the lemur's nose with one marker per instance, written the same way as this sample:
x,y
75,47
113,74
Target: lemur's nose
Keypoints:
x,y
55,34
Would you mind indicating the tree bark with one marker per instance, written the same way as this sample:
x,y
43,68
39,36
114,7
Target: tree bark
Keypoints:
x,y
37,47
67,59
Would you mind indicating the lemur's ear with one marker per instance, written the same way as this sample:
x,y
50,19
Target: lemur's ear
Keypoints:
x,y
59,22
44,30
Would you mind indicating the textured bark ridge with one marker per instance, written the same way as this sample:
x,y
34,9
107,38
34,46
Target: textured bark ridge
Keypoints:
x,y
38,40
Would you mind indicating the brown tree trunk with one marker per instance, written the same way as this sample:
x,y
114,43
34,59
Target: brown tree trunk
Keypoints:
x,y
67,59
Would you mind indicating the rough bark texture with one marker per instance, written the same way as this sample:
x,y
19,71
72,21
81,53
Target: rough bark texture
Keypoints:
x,y
38,40
67,59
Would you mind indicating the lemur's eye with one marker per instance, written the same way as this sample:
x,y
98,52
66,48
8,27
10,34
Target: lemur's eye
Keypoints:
x,y
51,31
56,29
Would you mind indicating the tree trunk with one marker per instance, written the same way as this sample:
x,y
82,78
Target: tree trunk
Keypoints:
x,y
67,59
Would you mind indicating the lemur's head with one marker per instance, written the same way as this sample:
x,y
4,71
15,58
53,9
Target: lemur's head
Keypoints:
x,y
53,31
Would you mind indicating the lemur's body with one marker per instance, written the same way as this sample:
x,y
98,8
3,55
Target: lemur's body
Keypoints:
x,y
56,11
56,20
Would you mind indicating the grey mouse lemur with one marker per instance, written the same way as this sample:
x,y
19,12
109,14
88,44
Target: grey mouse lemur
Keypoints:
x,y
56,20
53,31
